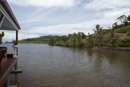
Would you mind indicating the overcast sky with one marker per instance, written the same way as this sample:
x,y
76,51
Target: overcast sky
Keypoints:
x,y
60,17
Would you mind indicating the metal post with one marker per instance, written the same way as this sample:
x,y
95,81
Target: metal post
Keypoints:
x,y
16,48
17,43
16,37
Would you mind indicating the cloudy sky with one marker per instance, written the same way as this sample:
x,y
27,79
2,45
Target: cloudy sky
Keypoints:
x,y
60,17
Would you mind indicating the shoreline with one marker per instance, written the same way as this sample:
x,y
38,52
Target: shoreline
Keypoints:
x,y
110,48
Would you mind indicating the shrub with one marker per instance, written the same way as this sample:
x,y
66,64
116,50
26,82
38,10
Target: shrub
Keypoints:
x,y
124,43
122,31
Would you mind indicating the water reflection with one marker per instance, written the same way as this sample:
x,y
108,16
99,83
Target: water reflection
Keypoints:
x,y
15,80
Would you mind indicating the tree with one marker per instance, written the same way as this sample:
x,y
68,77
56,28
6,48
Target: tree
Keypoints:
x,y
99,34
97,27
114,38
114,25
51,41
122,18
90,41
1,36
128,18
125,22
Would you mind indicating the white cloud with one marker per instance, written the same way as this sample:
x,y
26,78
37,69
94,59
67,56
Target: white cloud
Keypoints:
x,y
43,3
63,29
113,14
107,4
56,29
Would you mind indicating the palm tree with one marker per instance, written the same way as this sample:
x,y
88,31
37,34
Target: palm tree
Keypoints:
x,y
99,31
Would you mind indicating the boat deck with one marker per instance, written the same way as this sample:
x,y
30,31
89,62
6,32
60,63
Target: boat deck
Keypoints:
x,y
7,65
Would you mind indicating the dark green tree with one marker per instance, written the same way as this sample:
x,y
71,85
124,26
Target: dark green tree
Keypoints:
x,y
128,18
1,36
114,25
122,18
126,22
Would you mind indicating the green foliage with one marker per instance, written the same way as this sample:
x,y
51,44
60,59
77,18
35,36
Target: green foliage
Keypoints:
x,y
51,41
121,25
1,36
122,31
124,43
72,40
105,31
99,32
90,41
99,36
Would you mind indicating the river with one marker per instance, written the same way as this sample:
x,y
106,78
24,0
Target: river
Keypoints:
x,y
53,66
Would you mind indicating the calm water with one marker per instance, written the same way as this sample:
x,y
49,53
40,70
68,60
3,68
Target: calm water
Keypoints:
x,y
52,66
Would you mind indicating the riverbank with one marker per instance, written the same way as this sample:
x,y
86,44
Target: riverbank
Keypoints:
x,y
111,48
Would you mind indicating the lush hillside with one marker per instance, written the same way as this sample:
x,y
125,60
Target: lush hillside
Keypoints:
x,y
116,36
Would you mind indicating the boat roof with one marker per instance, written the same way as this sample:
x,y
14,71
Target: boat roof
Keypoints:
x,y
8,13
